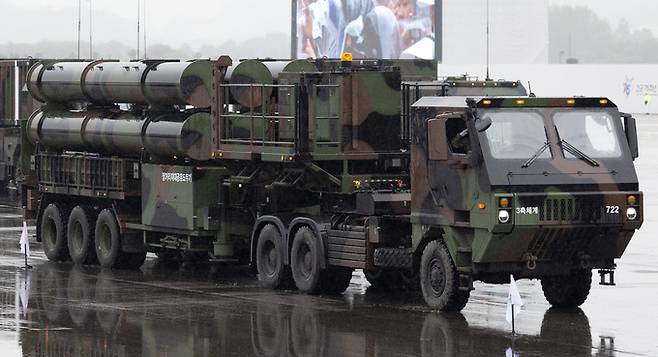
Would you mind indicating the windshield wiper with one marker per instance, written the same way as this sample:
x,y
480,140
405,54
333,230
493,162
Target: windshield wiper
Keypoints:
x,y
575,152
536,155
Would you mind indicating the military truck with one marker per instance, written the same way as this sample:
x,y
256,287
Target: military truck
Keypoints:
x,y
310,169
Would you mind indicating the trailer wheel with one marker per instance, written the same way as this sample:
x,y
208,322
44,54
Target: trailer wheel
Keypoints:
x,y
439,280
567,290
108,239
53,233
81,236
272,273
108,244
305,262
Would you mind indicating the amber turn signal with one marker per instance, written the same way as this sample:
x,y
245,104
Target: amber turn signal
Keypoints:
x,y
631,200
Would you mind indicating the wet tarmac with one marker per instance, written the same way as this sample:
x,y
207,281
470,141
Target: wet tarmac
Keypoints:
x,y
204,310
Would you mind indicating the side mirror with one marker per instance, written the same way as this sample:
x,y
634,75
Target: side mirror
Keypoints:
x,y
437,140
631,135
483,124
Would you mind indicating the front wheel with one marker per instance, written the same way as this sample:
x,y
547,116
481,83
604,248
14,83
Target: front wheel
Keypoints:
x,y
567,290
439,280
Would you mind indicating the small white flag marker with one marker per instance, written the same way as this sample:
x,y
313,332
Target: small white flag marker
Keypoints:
x,y
514,302
25,241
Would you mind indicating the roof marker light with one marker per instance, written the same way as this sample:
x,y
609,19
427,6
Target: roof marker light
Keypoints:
x,y
571,101
520,101
603,101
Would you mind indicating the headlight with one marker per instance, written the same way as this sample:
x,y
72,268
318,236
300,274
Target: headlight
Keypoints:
x,y
631,213
503,216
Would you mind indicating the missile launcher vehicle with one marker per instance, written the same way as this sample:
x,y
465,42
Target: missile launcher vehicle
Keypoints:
x,y
310,169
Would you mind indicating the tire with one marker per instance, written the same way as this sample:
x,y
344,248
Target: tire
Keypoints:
x,y
439,280
567,291
108,244
305,262
272,273
52,228
108,239
336,280
80,236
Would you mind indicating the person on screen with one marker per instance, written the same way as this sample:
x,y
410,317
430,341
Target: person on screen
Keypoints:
x,y
353,13
381,32
320,25
423,48
372,30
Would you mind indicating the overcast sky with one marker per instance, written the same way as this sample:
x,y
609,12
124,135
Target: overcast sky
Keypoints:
x,y
175,22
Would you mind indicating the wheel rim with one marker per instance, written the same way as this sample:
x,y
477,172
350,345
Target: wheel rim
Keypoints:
x,y
105,239
437,276
270,258
49,233
305,261
77,236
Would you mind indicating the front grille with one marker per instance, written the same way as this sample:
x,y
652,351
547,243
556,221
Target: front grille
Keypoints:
x,y
584,209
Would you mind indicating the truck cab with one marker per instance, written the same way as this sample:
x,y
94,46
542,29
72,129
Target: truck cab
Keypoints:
x,y
534,187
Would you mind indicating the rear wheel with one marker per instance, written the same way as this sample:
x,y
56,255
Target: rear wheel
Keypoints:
x,y
272,273
567,290
439,280
81,236
108,244
305,262
52,229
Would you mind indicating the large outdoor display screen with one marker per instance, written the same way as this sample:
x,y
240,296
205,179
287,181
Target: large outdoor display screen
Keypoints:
x,y
389,29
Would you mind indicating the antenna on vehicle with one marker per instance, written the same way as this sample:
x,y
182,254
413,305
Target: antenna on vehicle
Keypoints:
x,y
90,31
79,24
138,6
144,25
488,79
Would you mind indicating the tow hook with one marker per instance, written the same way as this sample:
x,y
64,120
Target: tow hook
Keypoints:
x,y
611,277
530,261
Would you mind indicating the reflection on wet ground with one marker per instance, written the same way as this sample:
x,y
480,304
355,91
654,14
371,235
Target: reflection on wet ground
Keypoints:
x,y
59,310
203,310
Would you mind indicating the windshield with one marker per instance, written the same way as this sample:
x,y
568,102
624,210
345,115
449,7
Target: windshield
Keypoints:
x,y
592,132
516,134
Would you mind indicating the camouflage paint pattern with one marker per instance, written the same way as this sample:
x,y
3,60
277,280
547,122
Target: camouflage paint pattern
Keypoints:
x,y
180,197
306,143
558,219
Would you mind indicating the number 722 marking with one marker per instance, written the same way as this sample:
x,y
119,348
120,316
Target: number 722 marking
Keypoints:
x,y
611,209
